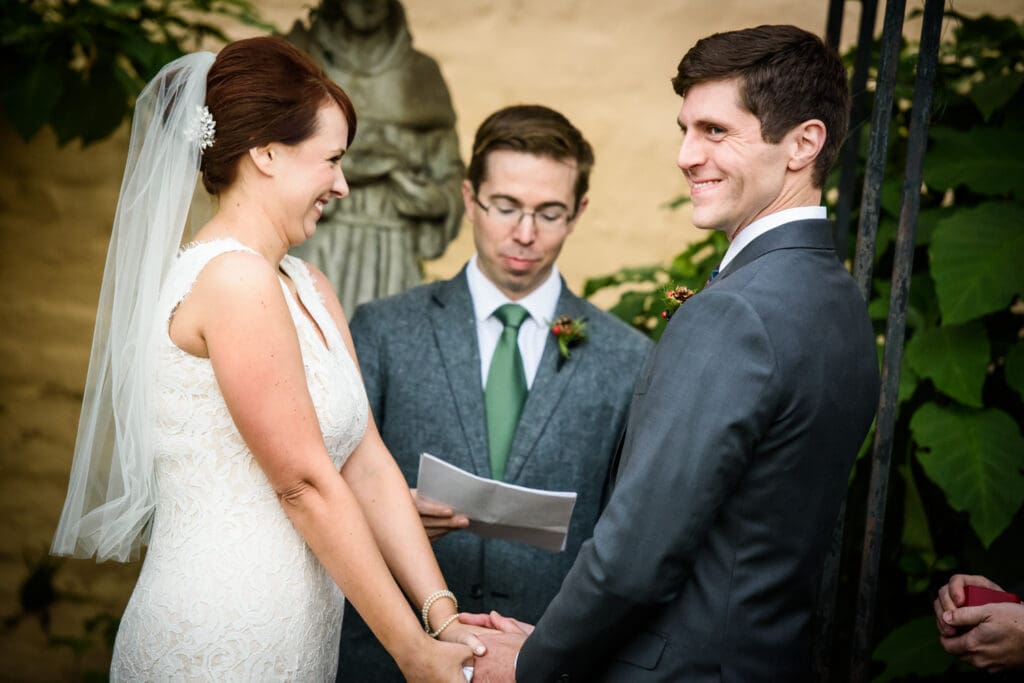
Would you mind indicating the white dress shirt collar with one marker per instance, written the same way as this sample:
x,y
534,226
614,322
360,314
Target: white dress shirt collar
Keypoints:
x,y
766,223
541,304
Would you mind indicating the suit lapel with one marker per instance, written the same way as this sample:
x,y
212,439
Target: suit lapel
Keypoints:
x,y
451,314
806,234
548,388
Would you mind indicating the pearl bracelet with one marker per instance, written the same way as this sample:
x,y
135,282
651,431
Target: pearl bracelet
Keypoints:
x,y
431,599
446,624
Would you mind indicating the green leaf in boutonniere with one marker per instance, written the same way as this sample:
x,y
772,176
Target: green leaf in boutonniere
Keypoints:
x,y
674,298
568,333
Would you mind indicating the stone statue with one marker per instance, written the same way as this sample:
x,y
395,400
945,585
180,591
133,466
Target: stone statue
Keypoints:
x,y
403,170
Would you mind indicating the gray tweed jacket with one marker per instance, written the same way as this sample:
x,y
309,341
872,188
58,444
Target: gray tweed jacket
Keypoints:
x,y
421,366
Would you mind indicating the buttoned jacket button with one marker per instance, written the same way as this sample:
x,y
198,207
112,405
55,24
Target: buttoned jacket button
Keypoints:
x,y
476,591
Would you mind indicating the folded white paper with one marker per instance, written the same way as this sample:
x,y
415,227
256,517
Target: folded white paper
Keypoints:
x,y
496,509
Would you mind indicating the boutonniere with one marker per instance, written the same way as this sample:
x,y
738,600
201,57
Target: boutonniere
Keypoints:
x,y
674,298
568,333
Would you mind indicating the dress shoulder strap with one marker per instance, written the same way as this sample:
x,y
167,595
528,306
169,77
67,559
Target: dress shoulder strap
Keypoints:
x,y
298,271
186,268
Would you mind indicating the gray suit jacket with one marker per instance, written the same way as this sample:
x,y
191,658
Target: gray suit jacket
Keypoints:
x,y
421,366
704,565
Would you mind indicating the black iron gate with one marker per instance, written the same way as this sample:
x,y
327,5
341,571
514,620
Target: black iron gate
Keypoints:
x,y
892,31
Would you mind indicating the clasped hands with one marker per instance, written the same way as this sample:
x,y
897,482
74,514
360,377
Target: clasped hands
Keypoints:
x,y
503,638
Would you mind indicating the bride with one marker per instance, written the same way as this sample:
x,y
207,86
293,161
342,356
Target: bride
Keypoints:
x,y
224,421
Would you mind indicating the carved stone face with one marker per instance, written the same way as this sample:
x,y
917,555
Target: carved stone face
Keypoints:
x,y
365,16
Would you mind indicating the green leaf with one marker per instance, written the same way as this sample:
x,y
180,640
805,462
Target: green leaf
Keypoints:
x,y
640,274
91,109
976,458
878,307
975,260
908,378
955,358
908,384
1014,369
596,284
30,99
676,203
917,535
630,306
986,160
911,649
995,91
921,310
892,199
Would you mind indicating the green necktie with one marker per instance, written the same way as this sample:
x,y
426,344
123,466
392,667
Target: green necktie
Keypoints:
x,y
505,391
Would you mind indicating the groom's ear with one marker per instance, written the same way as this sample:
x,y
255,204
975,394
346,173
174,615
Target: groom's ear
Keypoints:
x,y
805,143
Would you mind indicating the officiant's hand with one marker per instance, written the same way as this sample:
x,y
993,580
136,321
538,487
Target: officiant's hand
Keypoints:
x,y
438,519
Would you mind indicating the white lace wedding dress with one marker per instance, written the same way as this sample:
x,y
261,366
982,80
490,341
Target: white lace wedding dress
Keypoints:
x,y
229,591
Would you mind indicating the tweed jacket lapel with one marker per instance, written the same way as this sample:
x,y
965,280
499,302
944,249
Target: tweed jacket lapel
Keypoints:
x,y
805,234
548,388
451,315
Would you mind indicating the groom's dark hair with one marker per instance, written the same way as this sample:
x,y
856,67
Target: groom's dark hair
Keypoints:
x,y
786,76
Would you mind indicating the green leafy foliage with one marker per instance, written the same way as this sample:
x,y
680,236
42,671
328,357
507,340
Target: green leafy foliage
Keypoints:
x,y
954,357
918,550
1015,369
976,457
77,65
642,290
911,649
958,440
985,159
976,256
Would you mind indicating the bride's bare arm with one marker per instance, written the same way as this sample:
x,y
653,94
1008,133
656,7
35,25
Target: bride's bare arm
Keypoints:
x,y
383,493
251,341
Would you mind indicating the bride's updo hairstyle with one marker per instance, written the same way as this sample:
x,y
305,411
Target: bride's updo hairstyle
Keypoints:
x,y
263,90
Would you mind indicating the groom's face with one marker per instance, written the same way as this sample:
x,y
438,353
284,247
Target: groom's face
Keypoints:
x,y
735,177
517,256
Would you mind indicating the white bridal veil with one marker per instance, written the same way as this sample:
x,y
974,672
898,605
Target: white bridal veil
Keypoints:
x,y
110,495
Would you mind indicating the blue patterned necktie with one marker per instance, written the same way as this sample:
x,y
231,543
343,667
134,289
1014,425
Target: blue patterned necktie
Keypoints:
x,y
505,391
711,278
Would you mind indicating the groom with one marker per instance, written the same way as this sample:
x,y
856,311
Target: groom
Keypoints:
x,y
704,564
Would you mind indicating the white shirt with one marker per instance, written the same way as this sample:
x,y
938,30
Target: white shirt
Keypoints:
x,y
533,333
769,222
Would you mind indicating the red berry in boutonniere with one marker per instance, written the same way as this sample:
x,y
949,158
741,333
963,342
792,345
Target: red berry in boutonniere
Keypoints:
x,y
569,332
674,298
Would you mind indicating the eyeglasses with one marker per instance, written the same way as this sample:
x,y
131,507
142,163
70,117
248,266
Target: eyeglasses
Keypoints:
x,y
547,219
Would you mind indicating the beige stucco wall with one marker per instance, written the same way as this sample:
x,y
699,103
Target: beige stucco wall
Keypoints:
x,y
604,63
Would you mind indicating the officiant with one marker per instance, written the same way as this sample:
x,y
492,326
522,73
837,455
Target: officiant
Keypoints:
x,y
502,370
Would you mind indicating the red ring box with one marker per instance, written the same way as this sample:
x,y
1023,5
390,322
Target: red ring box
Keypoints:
x,y
977,595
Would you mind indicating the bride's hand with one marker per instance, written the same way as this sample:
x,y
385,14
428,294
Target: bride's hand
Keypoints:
x,y
437,661
458,632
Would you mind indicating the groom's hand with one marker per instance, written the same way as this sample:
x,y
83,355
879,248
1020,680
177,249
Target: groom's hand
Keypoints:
x,y
437,518
499,665
497,622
